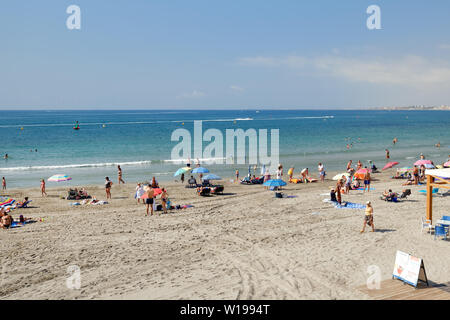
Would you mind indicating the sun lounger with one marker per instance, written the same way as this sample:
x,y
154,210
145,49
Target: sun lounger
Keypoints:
x,y
25,204
217,190
192,183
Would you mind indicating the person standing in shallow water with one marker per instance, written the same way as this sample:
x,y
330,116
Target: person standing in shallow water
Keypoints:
x,y
119,175
3,183
387,154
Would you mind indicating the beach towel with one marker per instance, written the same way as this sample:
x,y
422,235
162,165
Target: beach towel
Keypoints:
x,y
362,188
350,205
17,224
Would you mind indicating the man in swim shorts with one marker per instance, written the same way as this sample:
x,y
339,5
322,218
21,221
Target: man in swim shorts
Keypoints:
x,y
149,200
367,181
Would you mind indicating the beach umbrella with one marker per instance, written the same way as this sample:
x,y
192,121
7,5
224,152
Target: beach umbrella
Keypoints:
x,y
339,176
390,165
361,173
156,191
200,170
4,202
447,164
422,162
181,171
404,169
428,166
59,178
274,183
211,177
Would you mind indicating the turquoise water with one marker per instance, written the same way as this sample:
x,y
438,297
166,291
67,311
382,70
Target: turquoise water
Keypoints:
x,y
140,140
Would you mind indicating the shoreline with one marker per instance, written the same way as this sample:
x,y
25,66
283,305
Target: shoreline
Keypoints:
x,y
245,244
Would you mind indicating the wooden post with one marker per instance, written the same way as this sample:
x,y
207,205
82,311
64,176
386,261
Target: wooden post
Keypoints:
x,y
430,180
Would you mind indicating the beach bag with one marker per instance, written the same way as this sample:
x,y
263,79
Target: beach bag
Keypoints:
x,y
159,207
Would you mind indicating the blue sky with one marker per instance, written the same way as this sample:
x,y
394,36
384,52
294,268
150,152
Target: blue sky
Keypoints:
x,y
224,54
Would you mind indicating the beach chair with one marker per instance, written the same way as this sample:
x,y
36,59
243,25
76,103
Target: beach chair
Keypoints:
x,y
72,195
25,204
440,231
446,218
405,194
192,183
426,224
217,189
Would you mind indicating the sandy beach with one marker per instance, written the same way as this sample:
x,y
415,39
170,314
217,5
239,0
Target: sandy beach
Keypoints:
x,y
244,244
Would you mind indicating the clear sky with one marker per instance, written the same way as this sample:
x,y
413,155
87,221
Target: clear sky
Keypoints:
x,y
224,54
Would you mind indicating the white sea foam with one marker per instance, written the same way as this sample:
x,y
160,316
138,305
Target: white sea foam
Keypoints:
x,y
153,122
83,165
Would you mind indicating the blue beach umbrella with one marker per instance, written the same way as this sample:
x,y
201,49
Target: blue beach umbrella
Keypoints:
x,y
274,183
200,170
211,177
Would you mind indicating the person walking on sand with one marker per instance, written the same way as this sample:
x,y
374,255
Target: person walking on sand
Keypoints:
x,y
321,170
367,181
108,185
368,217
182,178
3,183
119,175
149,200
237,175
43,193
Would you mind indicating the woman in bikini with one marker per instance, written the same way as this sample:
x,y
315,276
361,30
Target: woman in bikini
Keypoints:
x,y
43,193
108,184
119,175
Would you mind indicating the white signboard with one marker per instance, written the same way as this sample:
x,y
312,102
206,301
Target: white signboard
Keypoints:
x,y
408,268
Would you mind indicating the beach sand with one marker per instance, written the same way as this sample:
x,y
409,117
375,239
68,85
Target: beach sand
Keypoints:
x,y
244,244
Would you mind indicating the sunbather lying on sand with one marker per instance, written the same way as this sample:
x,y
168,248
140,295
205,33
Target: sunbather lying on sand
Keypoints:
x,y
389,195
